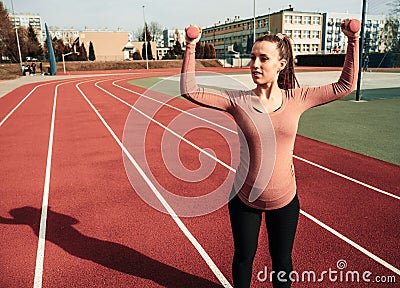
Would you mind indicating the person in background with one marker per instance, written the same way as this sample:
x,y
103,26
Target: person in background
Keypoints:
x,y
33,65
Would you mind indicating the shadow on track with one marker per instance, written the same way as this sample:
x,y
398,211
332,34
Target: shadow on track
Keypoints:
x,y
108,254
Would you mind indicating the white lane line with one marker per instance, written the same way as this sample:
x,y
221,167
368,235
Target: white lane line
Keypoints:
x,y
169,130
297,157
22,101
348,178
352,243
336,233
45,203
173,107
57,81
172,213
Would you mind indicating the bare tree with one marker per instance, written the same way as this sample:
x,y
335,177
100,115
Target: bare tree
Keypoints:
x,y
138,34
155,29
8,41
395,7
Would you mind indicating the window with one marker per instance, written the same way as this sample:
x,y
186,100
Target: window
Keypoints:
x,y
288,18
315,34
306,47
297,19
288,33
297,34
316,21
296,48
306,33
307,20
314,48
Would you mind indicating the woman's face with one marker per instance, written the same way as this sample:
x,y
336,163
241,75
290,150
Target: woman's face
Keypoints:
x,y
265,63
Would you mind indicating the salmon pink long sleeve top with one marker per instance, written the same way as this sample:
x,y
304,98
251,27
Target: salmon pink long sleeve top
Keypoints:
x,y
265,177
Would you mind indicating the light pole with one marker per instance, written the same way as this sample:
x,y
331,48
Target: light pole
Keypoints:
x,y
254,21
363,16
145,40
16,34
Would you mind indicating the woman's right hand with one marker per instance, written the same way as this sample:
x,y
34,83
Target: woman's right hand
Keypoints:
x,y
190,40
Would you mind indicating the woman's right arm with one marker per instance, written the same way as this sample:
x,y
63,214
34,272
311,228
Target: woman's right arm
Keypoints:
x,y
202,96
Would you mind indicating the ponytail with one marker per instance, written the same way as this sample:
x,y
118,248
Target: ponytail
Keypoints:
x,y
286,78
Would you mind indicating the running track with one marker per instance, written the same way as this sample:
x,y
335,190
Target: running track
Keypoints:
x,y
71,218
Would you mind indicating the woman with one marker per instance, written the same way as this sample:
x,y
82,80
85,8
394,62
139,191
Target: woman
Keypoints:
x,y
267,119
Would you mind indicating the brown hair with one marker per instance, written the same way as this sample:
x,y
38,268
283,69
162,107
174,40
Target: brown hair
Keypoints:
x,y
286,78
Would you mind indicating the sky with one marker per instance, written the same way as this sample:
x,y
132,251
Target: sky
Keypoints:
x,y
128,14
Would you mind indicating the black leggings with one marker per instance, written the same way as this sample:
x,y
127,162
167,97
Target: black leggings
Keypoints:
x,y
281,227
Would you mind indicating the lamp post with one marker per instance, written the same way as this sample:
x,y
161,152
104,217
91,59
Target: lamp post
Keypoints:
x,y
363,16
254,21
16,33
145,40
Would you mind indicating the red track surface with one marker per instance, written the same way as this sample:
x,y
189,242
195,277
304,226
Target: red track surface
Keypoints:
x,y
100,233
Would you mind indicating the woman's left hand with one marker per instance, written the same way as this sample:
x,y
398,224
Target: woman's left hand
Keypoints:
x,y
348,33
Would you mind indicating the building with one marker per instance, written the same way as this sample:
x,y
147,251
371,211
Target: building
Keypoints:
x,y
170,36
68,35
305,28
377,36
108,46
26,19
133,46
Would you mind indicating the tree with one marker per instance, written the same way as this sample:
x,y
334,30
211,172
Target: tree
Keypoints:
x,y
35,49
149,52
146,34
136,56
92,56
23,41
394,8
82,53
155,29
389,35
170,54
8,42
213,52
59,48
207,51
138,34
249,44
237,46
199,54
178,49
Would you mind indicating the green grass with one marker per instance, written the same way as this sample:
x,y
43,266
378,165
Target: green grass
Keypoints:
x,y
370,128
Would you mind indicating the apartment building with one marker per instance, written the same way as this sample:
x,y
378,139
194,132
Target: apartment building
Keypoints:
x,y
305,28
26,19
236,32
170,36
